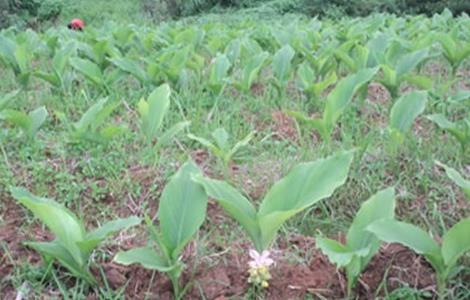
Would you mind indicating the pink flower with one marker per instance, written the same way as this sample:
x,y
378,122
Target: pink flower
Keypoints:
x,y
260,260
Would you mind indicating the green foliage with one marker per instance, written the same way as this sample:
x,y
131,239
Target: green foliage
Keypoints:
x,y
443,258
19,12
458,179
72,246
404,112
152,112
304,186
29,123
360,245
182,210
459,129
222,148
91,126
336,102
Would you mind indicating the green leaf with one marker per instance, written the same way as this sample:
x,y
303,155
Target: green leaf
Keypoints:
x,y
410,61
55,250
392,231
305,185
282,63
89,69
240,144
182,209
145,256
406,109
338,253
90,116
457,178
93,238
214,149
154,110
171,133
220,136
129,66
6,99
37,117
219,73
456,242
441,121
62,222
377,207
340,97
235,204
251,70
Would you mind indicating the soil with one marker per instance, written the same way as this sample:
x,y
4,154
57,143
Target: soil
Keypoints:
x,y
223,275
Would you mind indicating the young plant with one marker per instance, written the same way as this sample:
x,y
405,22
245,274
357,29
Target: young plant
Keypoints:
x,y
29,123
72,246
361,245
397,66
304,186
17,56
443,258
132,67
251,71
455,50
336,103
311,84
58,77
7,99
90,126
91,71
182,210
458,179
152,112
282,67
218,74
222,149
460,130
404,112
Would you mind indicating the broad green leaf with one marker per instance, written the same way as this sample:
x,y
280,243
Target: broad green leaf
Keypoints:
x,y
182,209
282,63
252,69
305,185
410,61
62,222
338,253
55,250
145,256
392,231
405,110
219,72
154,110
457,178
234,203
377,207
89,69
340,97
456,242
129,66
90,116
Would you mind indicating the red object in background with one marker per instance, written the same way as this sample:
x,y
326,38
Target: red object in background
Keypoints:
x,y
76,24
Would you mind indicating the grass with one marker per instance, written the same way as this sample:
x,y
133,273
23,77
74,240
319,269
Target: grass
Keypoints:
x,y
100,182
